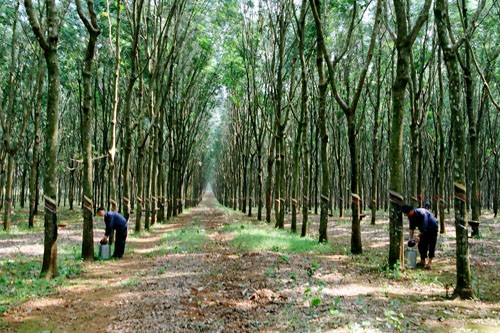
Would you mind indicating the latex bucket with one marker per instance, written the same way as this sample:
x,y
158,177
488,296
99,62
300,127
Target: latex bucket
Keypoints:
x,y
412,257
104,252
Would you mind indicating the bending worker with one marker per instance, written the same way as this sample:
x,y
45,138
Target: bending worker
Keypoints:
x,y
114,221
428,228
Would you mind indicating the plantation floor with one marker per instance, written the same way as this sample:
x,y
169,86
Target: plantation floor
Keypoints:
x,y
191,275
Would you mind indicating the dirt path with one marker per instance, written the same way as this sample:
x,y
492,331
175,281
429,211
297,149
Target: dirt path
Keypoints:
x,y
218,288
214,289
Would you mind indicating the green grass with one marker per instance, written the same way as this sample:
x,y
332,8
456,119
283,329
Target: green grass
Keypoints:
x,y
250,237
191,240
20,278
19,230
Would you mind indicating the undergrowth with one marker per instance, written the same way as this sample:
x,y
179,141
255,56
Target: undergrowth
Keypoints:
x,y
20,277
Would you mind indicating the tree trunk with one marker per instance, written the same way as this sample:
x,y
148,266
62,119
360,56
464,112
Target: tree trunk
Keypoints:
x,y
49,47
8,192
112,144
376,149
442,152
260,171
87,131
356,244
139,189
404,40
251,185
269,181
463,288
301,123
35,163
475,159
322,86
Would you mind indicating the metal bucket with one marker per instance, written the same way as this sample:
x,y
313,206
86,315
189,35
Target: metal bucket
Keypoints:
x,y
104,252
411,253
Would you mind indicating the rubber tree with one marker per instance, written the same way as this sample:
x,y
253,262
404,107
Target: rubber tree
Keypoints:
x,y
48,41
35,162
302,124
404,38
322,86
93,30
463,288
112,199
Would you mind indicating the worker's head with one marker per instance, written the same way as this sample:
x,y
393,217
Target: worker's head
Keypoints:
x,y
407,210
101,211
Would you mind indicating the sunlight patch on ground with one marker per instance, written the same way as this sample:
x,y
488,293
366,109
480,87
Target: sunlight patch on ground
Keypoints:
x,y
351,290
148,250
33,250
45,303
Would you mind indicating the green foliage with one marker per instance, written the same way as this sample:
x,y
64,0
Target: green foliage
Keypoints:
x,y
316,301
256,238
285,258
394,320
270,272
392,273
334,308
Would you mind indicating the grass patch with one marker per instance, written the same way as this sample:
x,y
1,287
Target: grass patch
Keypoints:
x,y
20,230
20,278
129,282
191,240
258,238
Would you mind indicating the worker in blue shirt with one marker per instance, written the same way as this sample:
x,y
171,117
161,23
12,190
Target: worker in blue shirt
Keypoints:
x,y
114,221
428,228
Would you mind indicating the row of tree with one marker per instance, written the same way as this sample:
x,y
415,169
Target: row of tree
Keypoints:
x,y
104,104
362,105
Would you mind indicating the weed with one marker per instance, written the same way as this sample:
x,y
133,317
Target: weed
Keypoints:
x,y
315,265
285,258
128,283
394,273
394,320
270,272
334,308
316,301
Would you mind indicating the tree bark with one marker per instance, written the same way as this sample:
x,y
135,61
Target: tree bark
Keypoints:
x,y
35,163
404,39
112,144
463,288
92,27
49,47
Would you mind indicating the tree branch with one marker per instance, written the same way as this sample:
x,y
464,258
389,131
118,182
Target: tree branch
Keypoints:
x,y
35,25
422,17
